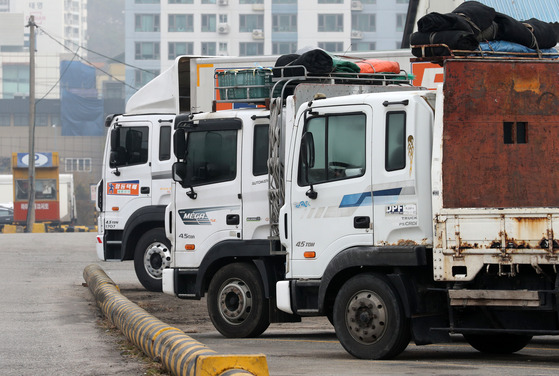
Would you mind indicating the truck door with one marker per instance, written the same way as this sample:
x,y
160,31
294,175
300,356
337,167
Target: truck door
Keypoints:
x,y
127,181
331,188
208,206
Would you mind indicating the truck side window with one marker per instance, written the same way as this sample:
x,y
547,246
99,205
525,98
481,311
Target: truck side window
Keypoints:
x,y
132,146
260,150
339,148
395,146
211,156
165,143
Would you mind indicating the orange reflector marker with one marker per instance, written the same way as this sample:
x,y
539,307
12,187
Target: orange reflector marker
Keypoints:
x,y
189,247
309,254
115,208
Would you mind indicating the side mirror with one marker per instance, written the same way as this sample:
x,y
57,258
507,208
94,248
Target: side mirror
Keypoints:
x,y
307,158
180,175
179,143
179,172
115,138
307,150
113,159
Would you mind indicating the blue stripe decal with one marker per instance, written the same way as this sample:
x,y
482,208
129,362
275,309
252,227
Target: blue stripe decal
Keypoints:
x,y
388,192
356,199
365,198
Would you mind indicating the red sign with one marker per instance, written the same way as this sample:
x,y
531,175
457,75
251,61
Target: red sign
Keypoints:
x,y
44,211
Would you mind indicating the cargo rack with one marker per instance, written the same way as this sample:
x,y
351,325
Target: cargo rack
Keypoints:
x,y
259,85
477,54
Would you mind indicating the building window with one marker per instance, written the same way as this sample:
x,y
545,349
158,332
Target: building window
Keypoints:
x,y
330,1
284,1
113,89
284,22
77,164
251,48
146,23
208,1
142,77
5,120
223,18
250,22
181,23
363,22
146,1
209,22
283,48
147,51
369,1
330,22
15,80
400,21
180,48
363,46
21,120
223,48
41,120
402,1
181,1
209,48
251,1
332,46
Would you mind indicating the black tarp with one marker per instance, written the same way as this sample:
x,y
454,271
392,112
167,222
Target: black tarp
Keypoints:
x,y
454,39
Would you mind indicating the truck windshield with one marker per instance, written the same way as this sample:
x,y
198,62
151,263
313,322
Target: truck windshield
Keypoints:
x,y
212,156
339,144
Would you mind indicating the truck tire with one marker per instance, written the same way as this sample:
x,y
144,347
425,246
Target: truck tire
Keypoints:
x,y
236,302
369,318
151,256
497,343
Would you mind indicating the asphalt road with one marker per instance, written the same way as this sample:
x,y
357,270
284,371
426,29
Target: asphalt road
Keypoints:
x,y
50,326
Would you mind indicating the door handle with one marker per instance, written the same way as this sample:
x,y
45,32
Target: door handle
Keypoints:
x,y
361,222
233,219
144,190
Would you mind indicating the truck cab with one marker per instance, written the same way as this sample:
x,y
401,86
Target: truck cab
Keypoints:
x,y
133,192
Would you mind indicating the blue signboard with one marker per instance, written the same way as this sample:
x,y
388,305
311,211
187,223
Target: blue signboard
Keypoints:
x,y
41,160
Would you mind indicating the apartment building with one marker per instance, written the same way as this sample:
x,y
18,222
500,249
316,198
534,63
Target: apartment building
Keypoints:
x,y
159,30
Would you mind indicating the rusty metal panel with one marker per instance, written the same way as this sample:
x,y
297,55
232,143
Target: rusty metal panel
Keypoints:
x,y
481,167
495,298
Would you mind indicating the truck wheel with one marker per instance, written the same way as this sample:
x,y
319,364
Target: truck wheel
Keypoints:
x,y
236,302
369,318
497,343
151,256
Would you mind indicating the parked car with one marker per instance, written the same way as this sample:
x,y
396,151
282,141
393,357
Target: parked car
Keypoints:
x,y
6,216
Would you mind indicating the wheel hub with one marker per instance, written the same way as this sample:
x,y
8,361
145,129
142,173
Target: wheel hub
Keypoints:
x,y
157,258
366,317
235,301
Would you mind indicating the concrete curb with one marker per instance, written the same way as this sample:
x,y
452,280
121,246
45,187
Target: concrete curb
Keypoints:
x,y
179,353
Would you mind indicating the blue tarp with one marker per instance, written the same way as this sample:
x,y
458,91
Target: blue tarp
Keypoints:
x,y
81,109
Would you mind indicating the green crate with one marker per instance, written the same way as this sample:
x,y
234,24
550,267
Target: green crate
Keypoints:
x,y
244,83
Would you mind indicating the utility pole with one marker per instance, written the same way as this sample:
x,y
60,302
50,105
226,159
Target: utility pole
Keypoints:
x,y
31,168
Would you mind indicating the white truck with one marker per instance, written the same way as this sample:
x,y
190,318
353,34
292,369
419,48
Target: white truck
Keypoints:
x,y
136,179
400,214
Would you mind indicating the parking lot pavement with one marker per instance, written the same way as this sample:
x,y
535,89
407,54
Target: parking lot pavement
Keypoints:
x,y
49,320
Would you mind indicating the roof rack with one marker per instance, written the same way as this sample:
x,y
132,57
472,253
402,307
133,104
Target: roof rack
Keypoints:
x,y
448,53
258,85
